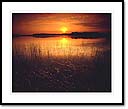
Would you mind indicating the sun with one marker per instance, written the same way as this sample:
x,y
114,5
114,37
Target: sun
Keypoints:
x,y
64,29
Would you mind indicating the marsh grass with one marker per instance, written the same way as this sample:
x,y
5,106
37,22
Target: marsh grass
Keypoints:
x,y
38,72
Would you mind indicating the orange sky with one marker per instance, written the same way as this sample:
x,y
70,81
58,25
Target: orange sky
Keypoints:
x,y
30,23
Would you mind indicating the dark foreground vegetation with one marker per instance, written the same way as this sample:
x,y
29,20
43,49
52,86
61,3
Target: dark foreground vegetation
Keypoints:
x,y
37,73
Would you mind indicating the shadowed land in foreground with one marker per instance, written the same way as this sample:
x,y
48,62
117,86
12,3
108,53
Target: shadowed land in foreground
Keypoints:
x,y
68,73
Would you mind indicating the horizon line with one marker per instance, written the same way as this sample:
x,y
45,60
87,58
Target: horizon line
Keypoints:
x,y
60,33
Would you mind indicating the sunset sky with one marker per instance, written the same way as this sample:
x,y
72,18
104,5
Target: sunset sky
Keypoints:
x,y
30,23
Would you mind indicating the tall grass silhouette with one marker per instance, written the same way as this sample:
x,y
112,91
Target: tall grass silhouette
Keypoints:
x,y
38,70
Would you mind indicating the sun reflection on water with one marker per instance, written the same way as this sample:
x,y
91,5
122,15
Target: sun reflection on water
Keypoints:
x,y
59,46
64,42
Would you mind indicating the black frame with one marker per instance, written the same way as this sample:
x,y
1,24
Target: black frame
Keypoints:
x,y
123,99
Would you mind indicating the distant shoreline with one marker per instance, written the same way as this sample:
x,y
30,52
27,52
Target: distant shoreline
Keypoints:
x,y
74,35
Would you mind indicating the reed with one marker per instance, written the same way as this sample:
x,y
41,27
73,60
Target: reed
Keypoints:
x,y
38,70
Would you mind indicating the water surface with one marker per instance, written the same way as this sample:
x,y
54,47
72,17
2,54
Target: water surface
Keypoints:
x,y
61,46
61,64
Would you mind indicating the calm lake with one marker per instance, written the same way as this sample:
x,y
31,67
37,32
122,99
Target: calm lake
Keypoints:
x,y
61,46
61,64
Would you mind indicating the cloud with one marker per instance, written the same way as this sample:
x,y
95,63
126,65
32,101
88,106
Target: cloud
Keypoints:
x,y
102,25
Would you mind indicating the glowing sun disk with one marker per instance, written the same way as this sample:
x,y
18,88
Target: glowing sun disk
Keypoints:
x,y
64,29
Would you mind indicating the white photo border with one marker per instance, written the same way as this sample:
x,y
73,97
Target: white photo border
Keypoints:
x,y
115,8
